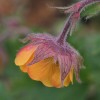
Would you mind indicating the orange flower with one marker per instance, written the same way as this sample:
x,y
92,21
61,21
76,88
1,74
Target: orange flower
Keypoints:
x,y
47,61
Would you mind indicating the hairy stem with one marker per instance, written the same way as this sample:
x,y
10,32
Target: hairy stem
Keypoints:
x,y
65,30
75,11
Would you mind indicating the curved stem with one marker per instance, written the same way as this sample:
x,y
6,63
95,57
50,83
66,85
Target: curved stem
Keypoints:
x,y
65,30
86,3
75,15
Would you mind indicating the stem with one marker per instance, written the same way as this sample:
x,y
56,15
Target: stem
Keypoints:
x,y
65,30
68,24
86,3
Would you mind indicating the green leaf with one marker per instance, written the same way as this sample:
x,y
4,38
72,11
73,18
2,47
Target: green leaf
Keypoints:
x,y
91,10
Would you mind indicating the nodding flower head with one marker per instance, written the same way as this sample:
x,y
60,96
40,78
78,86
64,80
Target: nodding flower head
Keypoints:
x,y
52,60
48,61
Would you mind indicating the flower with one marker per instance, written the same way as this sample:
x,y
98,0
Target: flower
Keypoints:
x,y
52,60
46,60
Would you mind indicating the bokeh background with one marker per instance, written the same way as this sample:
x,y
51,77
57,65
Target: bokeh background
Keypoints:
x,y
21,17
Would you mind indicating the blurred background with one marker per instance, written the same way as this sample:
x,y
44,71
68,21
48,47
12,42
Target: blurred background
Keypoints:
x,y
21,17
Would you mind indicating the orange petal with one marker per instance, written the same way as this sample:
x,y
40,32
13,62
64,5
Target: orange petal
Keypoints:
x,y
23,68
56,81
42,71
47,72
69,78
71,74
24,54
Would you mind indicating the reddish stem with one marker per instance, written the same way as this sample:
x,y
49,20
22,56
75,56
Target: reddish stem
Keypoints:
x,y
73,16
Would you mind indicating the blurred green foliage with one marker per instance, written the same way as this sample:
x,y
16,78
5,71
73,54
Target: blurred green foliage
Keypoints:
x,y
91,10
16,85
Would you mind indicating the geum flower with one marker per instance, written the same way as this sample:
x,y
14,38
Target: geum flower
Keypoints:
x,y
48,61
52,60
